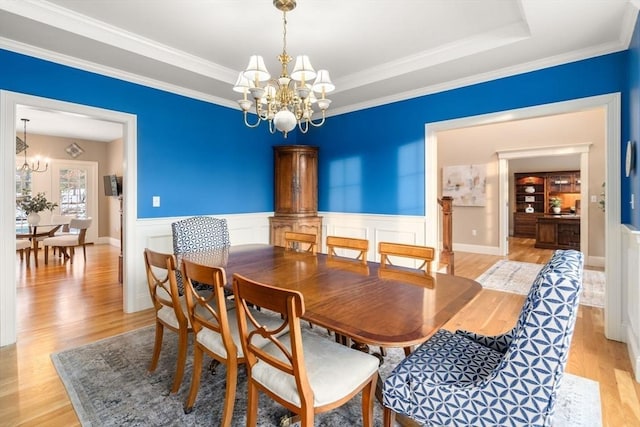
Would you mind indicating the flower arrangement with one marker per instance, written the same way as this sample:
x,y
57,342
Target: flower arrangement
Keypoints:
x,y
555,202
36,204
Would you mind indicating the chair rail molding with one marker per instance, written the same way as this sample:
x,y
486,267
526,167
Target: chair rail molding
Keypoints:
x,y
630,273
155,234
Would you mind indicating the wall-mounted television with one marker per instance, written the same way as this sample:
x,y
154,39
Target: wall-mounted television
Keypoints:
x,y
112,185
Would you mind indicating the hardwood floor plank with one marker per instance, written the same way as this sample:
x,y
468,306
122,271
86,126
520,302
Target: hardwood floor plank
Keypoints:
x,y
62,306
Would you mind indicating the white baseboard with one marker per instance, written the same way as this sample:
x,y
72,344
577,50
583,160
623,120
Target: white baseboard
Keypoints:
x,y
476,249
595,261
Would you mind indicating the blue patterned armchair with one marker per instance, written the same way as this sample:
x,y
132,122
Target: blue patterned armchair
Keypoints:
x,y
198,234
467,379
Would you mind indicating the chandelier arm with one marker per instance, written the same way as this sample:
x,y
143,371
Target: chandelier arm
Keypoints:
x,y
247,124
303,128
317,124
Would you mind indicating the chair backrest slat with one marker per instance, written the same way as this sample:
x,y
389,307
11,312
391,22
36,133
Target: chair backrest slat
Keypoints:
x,y
361,246
425,254
298,241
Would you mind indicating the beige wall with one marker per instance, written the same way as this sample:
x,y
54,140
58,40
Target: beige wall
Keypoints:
x,y
479,144
109,156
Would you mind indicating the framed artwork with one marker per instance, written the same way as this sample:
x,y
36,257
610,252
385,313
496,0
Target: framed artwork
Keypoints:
x,y
466,184
74,150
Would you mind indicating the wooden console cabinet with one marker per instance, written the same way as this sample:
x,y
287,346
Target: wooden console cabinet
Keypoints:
x,y
295,193
555,232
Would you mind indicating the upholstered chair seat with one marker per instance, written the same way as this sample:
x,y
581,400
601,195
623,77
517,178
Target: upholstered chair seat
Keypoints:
x,y
23,247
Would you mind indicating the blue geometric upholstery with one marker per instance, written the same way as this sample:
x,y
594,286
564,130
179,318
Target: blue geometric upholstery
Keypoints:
x,y
198,234
467,379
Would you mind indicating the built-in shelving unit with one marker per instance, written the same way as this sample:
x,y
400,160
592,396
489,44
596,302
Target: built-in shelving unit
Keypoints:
x,y
533,192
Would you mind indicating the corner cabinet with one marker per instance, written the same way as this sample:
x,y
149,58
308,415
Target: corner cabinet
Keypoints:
x,y
295,193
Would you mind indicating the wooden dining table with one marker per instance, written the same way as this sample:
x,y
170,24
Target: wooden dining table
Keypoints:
x,y
387,307
35,233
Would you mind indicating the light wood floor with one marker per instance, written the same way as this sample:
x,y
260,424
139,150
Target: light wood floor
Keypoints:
x,y
62,306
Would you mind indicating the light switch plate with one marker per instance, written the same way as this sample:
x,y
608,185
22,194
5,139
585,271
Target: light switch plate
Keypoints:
x,y
155,201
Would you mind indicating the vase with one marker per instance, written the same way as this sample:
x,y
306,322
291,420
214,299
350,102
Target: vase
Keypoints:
x,y
556,209
33,218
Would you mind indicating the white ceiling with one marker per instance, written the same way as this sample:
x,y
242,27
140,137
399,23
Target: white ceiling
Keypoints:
x,y
377,51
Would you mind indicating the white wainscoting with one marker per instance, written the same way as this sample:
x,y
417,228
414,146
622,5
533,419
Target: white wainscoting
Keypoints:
x,y
254,228
630,266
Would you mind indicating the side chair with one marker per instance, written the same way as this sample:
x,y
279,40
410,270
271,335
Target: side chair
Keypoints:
x,y
198,234
388,250
305,373
171,309
303,242
464,378
215,328
358,246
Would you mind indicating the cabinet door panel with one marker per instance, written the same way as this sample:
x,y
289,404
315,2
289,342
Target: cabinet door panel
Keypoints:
x,y
307,183
284,174
546,233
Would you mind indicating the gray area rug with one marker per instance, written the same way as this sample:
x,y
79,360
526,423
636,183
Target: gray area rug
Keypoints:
x,y
516,277
108,384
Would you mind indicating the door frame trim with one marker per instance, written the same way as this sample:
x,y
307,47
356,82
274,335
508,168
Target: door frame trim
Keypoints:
x,y
8,277
613,320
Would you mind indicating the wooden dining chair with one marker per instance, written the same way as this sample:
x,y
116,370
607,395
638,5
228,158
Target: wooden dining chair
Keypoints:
x,y
170,307
353,245
302,242
305,373
388,250
215,328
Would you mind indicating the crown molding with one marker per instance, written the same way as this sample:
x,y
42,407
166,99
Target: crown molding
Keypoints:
x,y
74,62
85,26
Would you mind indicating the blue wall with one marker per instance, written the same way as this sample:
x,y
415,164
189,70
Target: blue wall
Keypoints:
x,y
201,159
631,185
379,152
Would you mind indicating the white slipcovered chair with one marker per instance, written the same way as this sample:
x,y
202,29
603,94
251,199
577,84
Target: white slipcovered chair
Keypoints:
x,y
23,247
67,243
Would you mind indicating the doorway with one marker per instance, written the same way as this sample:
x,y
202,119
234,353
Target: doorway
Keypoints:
x,y
8,103
611,104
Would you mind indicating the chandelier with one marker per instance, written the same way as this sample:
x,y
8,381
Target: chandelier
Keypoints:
x,y
288,100
34,166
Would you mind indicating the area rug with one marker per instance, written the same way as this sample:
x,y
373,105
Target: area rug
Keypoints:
x,y
108,384
516,277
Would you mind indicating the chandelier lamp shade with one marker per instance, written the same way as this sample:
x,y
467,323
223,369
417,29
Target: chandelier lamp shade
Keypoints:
x,y
290,99
34,166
